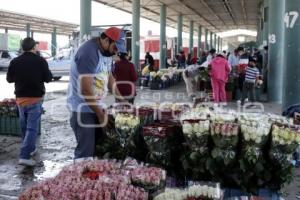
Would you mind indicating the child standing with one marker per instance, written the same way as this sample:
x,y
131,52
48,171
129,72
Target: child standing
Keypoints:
x,y
251,78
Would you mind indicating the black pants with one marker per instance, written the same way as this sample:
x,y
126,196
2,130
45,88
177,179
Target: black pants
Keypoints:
x,y
248,89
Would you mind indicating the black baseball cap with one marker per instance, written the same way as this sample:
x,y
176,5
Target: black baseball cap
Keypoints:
x,y
28,44
251,59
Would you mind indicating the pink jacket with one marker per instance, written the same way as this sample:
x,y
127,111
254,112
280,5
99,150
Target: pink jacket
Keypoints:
x,y
219,69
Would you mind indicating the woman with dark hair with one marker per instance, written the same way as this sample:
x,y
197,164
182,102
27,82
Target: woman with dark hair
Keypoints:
x,y
126,77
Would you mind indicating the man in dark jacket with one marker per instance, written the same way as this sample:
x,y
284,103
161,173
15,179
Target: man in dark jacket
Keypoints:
x,y
29,72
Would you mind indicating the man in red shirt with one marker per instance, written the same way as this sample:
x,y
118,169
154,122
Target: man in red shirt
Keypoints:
x,y
126,77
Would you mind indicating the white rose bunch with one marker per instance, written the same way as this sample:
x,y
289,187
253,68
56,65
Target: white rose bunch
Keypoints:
x,y
204,191
223,117
153,74
160,73
126,121
197,128
285,135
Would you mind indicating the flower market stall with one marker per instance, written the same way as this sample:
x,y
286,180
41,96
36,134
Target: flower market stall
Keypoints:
x,y
192,152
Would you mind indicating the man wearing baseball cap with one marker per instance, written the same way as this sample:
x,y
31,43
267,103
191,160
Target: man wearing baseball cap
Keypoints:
x,y
29,72
90,80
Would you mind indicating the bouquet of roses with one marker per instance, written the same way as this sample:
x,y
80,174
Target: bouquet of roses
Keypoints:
x,y
146,115
148,178
126,126
158,139
8,107
225,135
279,119
98,180
224,132
196,133
255,131
285,139
193,192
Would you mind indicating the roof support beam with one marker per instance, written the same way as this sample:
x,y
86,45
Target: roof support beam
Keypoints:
x,y
227,7
212,11
198,13
244,11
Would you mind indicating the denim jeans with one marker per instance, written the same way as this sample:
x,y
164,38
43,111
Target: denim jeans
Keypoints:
x,y
85,136
30,117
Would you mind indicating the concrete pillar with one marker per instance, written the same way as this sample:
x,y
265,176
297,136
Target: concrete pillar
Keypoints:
x,y
162,42
211,40
31,33
291,72
258,32
219,44
85,18
53,42
191,42
6,30
179,33
276,50
215,41
135,43
28,30
266,22
199,52
206,40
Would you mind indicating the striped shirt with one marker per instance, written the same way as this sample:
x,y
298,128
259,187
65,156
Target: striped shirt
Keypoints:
x,y
251,74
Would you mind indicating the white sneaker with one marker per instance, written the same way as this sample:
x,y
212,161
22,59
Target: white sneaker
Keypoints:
x,y
77,160
246,100
27,162
34,152
239,102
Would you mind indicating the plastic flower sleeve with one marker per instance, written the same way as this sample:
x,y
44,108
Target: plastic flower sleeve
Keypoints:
x,y
225,135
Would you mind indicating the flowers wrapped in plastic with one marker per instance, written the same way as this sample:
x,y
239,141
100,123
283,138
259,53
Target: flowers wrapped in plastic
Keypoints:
x,y
157,136
285,139
201,191
169,111
225,135
196,133
146,114
255,130
126,126
164,144
8,108
148,177
72,183
120,139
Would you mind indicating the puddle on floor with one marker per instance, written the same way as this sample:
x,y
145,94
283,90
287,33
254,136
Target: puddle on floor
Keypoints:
x,y
50,169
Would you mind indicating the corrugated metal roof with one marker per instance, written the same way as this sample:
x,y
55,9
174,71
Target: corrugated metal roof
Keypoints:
x,y
17,21
215,15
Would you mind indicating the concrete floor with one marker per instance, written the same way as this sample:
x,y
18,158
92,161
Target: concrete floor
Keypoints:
x,y
56,143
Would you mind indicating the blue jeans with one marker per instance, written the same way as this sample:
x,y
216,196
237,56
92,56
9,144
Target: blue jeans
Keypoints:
x,y
30,117
85,136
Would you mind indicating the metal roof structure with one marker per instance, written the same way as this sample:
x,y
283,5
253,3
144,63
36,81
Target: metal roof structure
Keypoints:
x,y
17,21
215,15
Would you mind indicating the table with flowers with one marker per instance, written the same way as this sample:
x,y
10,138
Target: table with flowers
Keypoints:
x,y
181,151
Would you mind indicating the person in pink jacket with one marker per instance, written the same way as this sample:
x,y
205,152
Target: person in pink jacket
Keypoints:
x,y
219,71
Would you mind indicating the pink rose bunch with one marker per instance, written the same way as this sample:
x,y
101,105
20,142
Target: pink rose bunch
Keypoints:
x,y
71,184
148,176
224,129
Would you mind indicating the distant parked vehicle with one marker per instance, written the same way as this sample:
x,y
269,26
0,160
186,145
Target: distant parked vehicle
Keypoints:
x,y
59,65
5,58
